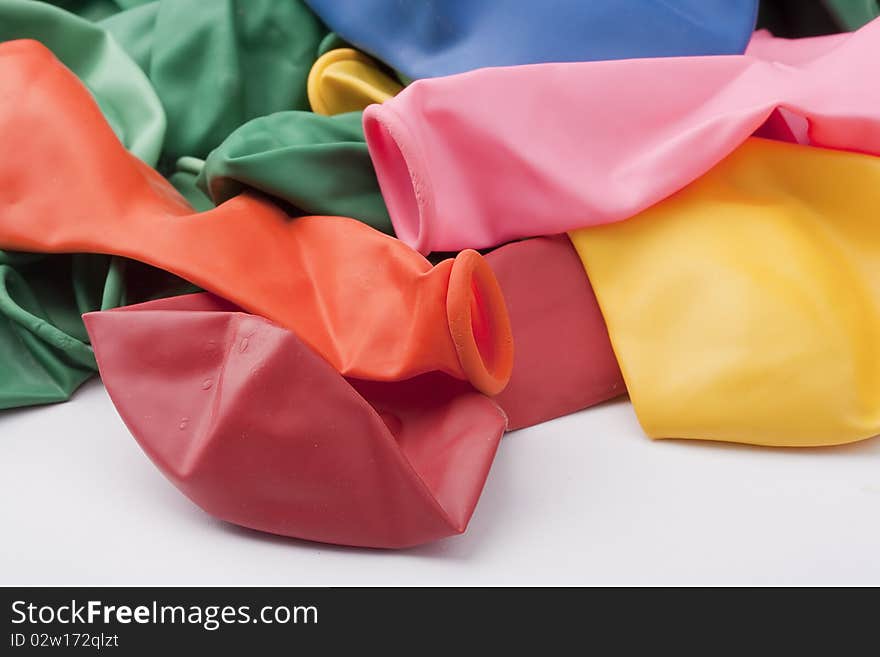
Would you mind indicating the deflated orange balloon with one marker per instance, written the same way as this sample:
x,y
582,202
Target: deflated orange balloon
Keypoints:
x,y
370,305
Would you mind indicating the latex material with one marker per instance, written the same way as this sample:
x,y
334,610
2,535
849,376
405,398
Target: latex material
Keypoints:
x,y
44,351
783,124
218,63
346,80
185,180
461,161
257,430
44,348
746,308
853,14
371,306
97,9
794,52
331,41
317,164
124,94
428,39
564,361
796,18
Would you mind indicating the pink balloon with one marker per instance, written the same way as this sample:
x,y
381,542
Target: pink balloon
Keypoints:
x,y
497,154
795,52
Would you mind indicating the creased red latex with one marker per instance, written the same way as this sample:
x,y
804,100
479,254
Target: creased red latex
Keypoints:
x,y
564,360
370,305
259,431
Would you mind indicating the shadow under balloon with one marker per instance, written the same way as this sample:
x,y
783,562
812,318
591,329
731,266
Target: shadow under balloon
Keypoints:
x,y
866,446
498,502
496,505
491,515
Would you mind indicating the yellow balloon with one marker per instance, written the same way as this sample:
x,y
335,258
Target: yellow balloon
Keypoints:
x,y
346,80
746,307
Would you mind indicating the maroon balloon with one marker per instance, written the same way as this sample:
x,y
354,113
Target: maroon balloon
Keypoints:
x,y
258,430
563,360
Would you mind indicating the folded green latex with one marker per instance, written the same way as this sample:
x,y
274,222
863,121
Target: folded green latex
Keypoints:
x,y
852,14
44,350
122,91
94,10
218,63
185,180
317,164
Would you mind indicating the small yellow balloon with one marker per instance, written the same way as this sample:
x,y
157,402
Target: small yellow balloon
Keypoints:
x,y
746,307
346,80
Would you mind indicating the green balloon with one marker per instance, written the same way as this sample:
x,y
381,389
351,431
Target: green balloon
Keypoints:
x,y
43,344
852,14
44,348
185,181
219,63
94,10
120,88
317,164
332,41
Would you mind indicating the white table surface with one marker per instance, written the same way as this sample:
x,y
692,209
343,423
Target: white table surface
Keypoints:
x,y
585,499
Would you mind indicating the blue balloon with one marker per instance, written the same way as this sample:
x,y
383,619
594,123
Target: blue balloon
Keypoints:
x,y
427,38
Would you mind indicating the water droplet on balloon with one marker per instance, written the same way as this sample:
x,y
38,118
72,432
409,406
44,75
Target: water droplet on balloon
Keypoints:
x,y
242,347
207,383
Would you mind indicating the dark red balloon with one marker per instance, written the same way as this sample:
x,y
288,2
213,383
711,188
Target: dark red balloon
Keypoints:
x,y
564,361
258,430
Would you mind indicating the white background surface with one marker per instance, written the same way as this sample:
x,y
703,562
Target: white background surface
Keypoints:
x,y
585,499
